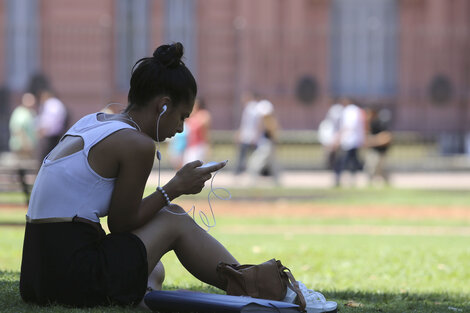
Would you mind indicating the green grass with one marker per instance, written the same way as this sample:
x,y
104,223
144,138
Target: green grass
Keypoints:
x,y
12,197
349,196
339,196
374,273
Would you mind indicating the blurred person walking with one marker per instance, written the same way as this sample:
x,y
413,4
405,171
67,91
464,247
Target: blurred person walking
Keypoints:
x,y
177,147
198,125
350,139
249,131
23,140
328,132
378,141
263,160
52,121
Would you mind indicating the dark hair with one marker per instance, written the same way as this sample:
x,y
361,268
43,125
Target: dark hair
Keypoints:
x,y
162,74
39,83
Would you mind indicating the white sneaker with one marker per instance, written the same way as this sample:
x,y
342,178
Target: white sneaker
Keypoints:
x,y
316,302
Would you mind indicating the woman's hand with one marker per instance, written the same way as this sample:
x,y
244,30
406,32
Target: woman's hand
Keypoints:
x,y
190,179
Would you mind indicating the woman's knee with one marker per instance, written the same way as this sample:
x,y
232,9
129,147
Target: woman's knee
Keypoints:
x,y
174,209
176,214
165,225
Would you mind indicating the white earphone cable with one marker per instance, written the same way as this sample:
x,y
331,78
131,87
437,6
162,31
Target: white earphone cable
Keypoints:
x,y
203,216
159,155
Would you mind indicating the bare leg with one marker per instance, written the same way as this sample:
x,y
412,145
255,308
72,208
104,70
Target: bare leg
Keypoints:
x,y
155,281
198,251
156,277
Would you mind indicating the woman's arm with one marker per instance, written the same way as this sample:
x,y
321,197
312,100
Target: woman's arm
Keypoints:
x,y
128,211
135,156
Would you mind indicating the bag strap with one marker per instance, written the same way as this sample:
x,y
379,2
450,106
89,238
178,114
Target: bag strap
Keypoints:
x,y
292,283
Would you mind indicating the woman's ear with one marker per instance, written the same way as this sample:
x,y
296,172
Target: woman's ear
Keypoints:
x,y
163,105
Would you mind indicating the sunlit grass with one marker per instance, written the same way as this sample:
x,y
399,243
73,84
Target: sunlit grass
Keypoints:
x,y
373,273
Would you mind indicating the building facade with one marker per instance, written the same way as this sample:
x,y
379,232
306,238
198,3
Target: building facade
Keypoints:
x,y
411,56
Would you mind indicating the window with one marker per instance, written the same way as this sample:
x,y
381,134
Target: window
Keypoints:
x,y
180,25
132,37
22,46
364,47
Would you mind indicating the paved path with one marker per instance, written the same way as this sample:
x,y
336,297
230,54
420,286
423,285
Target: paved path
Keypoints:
x,y
324,179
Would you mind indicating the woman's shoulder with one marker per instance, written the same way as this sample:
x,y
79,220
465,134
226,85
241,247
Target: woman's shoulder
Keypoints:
x,y
119,142
130,141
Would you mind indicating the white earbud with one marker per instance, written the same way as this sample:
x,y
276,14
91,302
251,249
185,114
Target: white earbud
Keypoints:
x,y
159,155
163,109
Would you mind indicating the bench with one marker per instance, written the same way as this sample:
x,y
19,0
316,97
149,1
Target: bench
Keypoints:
x,y
17,175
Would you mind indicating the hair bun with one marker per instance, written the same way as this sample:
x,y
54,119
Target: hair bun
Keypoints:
x,y
169,55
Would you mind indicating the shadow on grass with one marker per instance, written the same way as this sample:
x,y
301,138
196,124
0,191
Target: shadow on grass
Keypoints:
x,y
348,301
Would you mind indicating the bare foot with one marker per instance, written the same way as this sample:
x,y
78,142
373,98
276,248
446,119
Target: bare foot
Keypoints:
x,y
156,277
155,281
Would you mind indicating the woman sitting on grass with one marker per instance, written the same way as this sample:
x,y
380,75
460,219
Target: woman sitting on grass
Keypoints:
x,y
100,168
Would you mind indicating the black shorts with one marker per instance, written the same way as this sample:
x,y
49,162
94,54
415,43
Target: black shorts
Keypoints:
x,y
75,264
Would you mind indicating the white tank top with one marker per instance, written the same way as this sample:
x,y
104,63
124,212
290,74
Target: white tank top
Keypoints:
x,y
69,187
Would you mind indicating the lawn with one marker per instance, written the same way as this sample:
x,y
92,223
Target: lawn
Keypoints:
x,y
388,261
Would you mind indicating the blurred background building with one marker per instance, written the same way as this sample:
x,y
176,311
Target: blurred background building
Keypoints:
x,y
410,56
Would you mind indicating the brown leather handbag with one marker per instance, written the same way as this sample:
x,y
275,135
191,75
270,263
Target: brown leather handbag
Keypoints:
x,y
268,280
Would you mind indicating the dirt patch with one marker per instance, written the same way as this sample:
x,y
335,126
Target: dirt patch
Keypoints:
x,y
348,230
253,209
284,208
